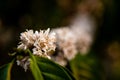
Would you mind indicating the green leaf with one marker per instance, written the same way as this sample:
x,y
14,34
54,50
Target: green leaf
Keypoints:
x,y
35,71
53,71
40,69
45,69
34,68
5,71
86,68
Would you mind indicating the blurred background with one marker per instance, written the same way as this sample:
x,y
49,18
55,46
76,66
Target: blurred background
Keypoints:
x,y
98,18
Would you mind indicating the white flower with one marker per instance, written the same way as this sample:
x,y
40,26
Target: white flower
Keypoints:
x,y
45,43
69,42
84,42
25,62
84,27
27,39
66,44
40,42
70,51
40,53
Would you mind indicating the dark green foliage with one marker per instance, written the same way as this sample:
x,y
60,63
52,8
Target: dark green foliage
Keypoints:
x,y
52,71
86,68
5,71
40,69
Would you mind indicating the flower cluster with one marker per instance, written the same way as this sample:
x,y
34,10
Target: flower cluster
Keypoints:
x,y
66,42
66,45
69,42
42,43
83,26
24,62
